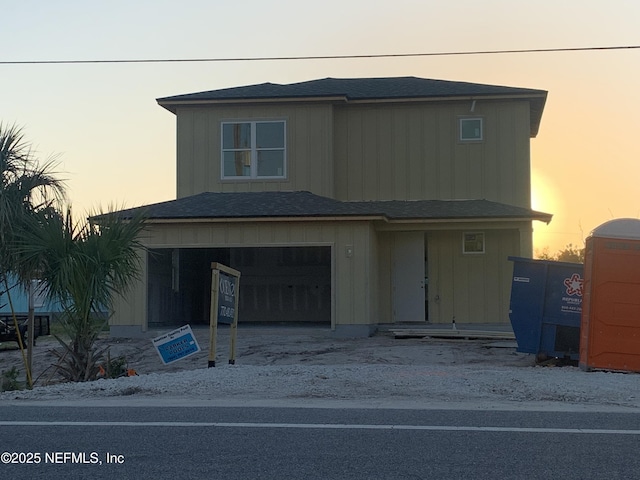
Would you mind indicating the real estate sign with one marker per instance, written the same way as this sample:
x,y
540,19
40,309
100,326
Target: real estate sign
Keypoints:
x,y
176,345
225,287
227,294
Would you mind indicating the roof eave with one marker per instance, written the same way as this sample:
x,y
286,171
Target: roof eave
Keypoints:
x,y
172,105
355,218
306,218
536,101
542,218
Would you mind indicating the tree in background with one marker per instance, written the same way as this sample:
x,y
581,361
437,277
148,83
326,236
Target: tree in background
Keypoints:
x,y
571,253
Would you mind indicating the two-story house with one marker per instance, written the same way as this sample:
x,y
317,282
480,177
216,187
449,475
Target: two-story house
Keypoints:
x,y
349,202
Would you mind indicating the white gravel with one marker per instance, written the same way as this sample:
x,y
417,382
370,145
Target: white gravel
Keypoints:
x,y
360,385
304,368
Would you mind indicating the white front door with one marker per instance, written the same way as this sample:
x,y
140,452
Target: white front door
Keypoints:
x,y
408,277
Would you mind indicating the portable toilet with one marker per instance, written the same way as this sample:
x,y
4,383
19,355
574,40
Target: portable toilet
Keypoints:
x,y
610,321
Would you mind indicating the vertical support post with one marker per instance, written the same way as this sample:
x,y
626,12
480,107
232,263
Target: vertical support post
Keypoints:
x,y
234,326
213,317
232,346
30,332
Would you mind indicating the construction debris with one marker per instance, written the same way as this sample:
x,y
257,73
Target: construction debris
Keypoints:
x,y
449,333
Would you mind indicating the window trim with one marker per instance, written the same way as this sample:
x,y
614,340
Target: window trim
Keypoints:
x,y
464,243
461,139
253,150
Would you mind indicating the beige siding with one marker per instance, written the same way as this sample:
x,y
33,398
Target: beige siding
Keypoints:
x,y
369,152
309,152
409,152
472,288
128,309
354,277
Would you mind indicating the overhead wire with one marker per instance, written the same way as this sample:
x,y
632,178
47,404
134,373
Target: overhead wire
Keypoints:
x,y
321,57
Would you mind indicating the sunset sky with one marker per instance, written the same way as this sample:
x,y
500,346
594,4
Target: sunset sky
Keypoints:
x,y
116,146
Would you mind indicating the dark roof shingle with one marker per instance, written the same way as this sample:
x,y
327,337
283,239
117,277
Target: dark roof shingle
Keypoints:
x,y
357,89
210,205
362,89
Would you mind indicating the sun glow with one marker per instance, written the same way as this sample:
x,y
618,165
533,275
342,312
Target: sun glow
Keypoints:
x,y
543,199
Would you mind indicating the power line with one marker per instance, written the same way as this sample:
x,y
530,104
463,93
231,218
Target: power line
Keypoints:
x,y
320,57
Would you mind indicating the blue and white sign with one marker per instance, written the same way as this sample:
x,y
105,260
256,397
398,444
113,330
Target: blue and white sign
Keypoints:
x,y
176,345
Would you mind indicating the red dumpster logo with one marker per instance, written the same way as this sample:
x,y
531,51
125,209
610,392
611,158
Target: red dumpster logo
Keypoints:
x,y
574,285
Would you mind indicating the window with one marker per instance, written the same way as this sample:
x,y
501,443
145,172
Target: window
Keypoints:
x,y
473,242
471,130
253,149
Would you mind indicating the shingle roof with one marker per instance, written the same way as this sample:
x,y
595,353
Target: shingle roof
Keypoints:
x,y
357,89
248,205
362,89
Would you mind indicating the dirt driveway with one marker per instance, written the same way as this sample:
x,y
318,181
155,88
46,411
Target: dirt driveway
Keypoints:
x,y
282,345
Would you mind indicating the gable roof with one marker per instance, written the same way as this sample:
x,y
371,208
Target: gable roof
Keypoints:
x,y
262,205
363,90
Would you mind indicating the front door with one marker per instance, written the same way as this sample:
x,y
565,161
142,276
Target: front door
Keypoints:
x,y
408,277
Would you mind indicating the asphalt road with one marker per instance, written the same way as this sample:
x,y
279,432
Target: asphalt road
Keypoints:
x,y
48,442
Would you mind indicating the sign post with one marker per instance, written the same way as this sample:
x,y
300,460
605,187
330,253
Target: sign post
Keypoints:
x,y
225,287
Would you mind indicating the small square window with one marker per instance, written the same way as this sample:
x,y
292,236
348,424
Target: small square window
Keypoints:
x,y
473,242
471,130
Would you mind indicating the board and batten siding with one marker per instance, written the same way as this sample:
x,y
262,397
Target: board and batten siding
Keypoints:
x,y
354,264
410,152
471,288
309,162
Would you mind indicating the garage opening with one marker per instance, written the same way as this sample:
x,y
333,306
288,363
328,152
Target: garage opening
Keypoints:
x,y
277,284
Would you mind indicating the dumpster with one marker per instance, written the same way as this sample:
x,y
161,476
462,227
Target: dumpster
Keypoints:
x,y
545,307
610,330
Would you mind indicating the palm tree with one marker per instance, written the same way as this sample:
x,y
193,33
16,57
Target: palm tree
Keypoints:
x,y
83,267
26,188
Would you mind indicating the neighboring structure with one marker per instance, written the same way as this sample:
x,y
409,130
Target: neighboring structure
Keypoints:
x,y
20,300
350,202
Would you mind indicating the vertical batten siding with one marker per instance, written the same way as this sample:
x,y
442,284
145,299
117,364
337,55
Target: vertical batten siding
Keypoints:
x,y
512,125
434,184
355,158
373,292
508,170
406,128
309,134
397,150
131,308
471,288
354,279
385,156
409,152
446,145
441,278
493,169
522,179
385,267
184,149
202,141
339,147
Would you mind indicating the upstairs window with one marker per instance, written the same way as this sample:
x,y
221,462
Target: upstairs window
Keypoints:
x,y
254,149
471,130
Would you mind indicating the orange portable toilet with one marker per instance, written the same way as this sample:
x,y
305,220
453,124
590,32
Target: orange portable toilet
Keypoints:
x,y
610,321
